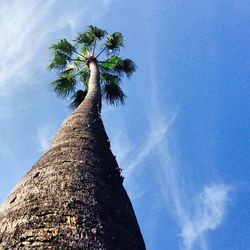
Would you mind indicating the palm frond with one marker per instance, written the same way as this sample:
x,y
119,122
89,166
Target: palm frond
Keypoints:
x,y
86,39
68,73
110,78
112,91
126,66
84,75
77,99
63,46
110,63
64,85
98,33
72,63
59,61
114,42
85,52
77,62
118,66
114,94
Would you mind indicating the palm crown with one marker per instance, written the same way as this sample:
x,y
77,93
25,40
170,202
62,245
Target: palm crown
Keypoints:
x,y
71,63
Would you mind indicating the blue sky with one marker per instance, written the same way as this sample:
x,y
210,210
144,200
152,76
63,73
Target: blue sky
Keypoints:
x,y
183,136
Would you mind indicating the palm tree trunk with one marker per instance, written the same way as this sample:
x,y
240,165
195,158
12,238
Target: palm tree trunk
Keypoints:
x,y
73,197
93,97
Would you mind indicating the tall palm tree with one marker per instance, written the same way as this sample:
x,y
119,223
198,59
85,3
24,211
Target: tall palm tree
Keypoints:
x,y
73,197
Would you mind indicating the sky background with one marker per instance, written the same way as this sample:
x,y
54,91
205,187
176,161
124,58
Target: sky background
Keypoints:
x,y
183,136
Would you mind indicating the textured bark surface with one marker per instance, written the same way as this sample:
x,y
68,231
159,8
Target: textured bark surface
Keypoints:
x,y
73,197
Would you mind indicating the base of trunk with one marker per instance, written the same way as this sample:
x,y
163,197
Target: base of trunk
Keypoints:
x,y
73,197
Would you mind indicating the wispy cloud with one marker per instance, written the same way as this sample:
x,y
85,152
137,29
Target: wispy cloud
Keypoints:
x,y
108,3
43,137
208,213
195,216
156,134
21,25
122,150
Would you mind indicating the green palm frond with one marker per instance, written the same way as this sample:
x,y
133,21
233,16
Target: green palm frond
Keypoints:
x,y
64,85
110,78
114,94
59,61
118,65
86,39
114,42
112,90
62,51
63,46
110,63
68,73
85,52
98,33
77,62
126,66
77,99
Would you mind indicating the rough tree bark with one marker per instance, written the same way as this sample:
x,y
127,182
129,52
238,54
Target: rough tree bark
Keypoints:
x,y
73,197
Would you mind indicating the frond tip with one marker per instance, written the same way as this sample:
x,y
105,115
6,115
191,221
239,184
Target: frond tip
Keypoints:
x,y
114,94
114,42
63,86
59,61
118,66
63,46
97,33
126,66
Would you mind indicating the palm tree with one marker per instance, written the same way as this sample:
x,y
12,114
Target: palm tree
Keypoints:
x,y
77,65
73,197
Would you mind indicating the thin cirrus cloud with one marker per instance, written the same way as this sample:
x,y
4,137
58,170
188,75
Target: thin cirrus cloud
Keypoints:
x,y
210,209
209,206
24,29
43,137
199,213
157,133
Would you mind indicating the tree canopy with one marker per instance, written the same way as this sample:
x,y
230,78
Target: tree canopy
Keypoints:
x,y
70,60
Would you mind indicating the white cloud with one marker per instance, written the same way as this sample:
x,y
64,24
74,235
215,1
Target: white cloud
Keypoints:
x,y
121,149
157,133
43,137
195,213
208,214
27,30
21,25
